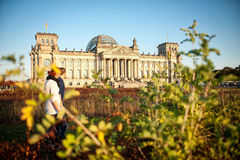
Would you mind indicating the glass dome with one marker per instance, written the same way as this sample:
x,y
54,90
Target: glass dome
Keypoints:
x,y
105,41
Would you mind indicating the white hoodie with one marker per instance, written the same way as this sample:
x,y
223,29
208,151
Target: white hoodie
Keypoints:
x,y
52,88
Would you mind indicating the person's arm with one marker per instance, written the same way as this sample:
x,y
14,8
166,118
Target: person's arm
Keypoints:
x,y
55,104
61,103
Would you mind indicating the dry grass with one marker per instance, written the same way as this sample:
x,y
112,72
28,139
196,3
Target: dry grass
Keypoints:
x,y
89,103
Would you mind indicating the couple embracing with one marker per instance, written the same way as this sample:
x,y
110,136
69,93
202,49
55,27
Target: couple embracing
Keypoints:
x,y
55,86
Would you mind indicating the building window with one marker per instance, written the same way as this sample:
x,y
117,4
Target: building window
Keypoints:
x,y
78,74
77,63
91,63
47,62
70,73
151,64
62,63
70,63
84,63
42,41
47,41
78,83
70,83
145,73
51,41
145,65
85,75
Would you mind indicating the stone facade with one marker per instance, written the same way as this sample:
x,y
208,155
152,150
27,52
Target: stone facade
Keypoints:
x,y
124,66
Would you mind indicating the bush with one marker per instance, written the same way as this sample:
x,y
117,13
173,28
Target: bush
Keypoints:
x,y
178,121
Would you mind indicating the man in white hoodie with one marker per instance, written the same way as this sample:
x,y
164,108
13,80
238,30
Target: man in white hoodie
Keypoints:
x,y
54,104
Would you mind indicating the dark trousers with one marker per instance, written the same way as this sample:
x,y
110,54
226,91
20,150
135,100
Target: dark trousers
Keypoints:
x,y
57,132
61,128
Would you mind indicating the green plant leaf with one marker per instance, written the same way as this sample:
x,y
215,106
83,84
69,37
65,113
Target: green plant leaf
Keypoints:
x,y
34,139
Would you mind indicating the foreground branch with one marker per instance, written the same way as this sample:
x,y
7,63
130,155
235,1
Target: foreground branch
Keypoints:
x,y
83,127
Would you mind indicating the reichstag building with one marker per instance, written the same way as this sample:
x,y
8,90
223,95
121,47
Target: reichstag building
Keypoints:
x,y
123,65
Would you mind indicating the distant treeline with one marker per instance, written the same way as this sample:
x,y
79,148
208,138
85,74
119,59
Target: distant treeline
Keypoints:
x,y
232,73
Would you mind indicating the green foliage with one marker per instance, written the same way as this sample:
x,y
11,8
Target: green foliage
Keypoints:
x,y
228,74
78,143
10,58
177,121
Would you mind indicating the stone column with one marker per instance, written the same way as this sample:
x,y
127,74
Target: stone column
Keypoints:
x,y
31,67
36,66
137,69
65,62
54,60
143,74
125,69
73,68
160,67
149,69
132,70
118,70
80,63
154,65
111,68
115,68
40,64
88,67
128,69
104,68
96,63
108,68
121,66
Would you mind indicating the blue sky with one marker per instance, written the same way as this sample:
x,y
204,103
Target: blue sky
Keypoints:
x,y
149,21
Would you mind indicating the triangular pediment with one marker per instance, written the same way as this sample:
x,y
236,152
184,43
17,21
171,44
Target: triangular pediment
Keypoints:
x,y
120,50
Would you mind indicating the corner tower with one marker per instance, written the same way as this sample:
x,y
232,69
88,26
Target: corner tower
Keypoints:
x,y
165,48
170,52
46,42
